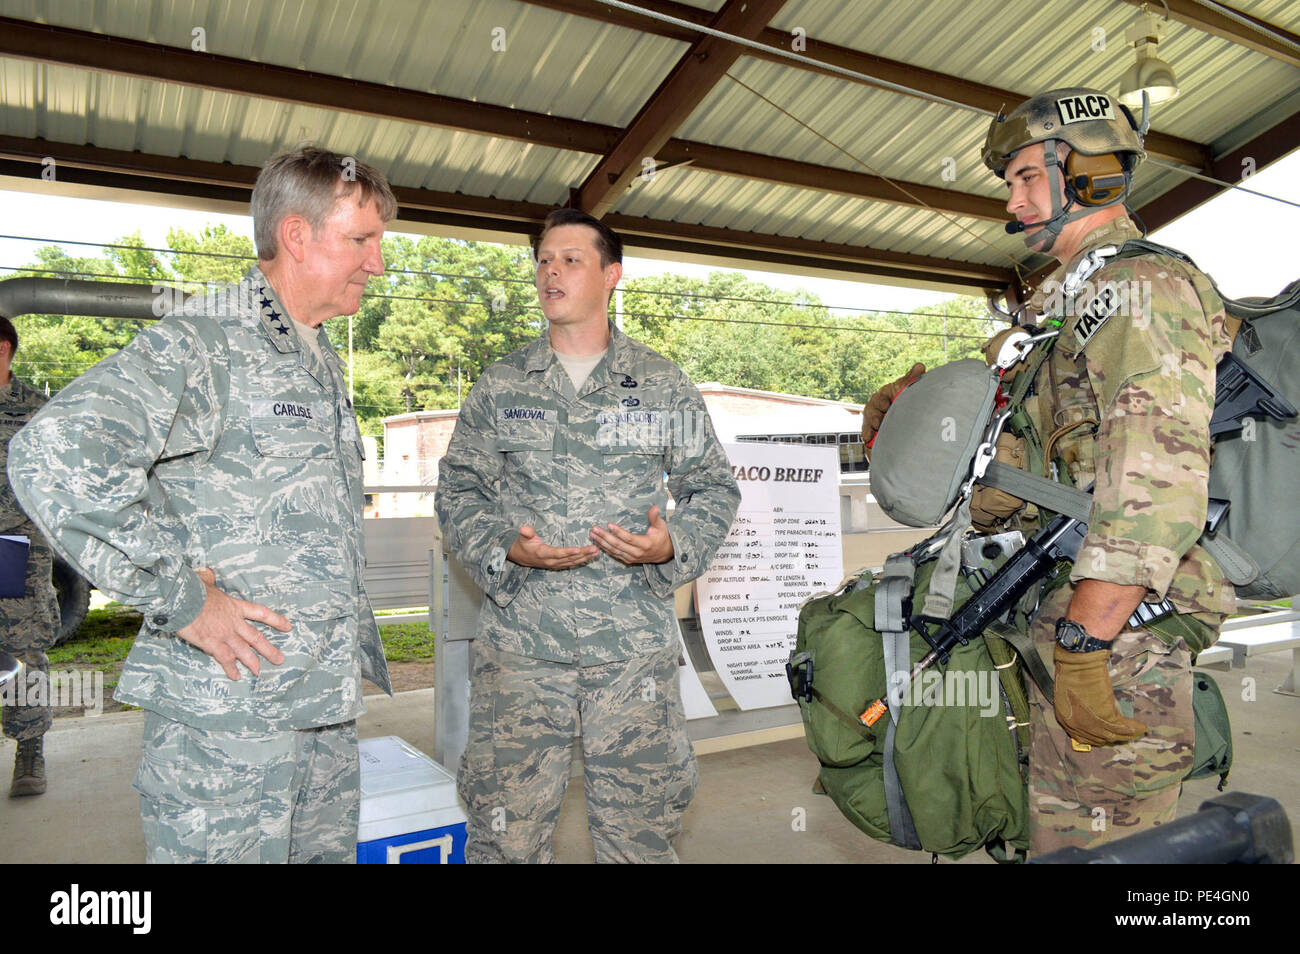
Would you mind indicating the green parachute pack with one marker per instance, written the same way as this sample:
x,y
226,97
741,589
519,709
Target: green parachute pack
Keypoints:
x,y
945,770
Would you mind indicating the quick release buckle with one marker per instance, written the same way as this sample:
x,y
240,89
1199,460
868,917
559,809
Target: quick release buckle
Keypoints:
x,y
1088,265
1017,347
799,670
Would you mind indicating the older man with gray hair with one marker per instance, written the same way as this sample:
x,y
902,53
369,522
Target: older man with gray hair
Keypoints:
x,y
210,475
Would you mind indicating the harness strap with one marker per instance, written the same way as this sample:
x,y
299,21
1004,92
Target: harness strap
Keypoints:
x,y
902,830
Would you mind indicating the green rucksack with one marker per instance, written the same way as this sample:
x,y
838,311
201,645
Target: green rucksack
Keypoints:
x,y
958,748
948,775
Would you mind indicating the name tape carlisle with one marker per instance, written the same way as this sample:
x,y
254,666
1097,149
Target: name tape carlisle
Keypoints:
x,y
286,409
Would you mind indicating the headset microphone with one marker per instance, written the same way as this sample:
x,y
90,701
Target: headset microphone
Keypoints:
x,y
1014,227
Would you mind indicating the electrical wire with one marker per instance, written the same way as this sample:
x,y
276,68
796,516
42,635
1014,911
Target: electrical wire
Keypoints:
x,y
951,220
1223,182
139,279
819,65
518,281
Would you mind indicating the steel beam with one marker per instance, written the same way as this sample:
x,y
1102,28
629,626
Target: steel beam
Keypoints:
x,y
685,87
1265,148
120,169
923,81
1281,45
152,61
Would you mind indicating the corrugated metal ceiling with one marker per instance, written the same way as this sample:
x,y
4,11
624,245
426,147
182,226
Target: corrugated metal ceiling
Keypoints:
x,y
578,68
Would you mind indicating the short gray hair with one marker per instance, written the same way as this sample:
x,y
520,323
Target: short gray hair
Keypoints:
x,y
307,182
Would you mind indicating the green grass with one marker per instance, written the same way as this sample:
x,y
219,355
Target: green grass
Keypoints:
x,y
106,637
102,642
407,642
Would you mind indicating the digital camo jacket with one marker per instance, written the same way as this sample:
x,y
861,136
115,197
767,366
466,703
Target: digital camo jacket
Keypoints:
x,y
216,440
529,450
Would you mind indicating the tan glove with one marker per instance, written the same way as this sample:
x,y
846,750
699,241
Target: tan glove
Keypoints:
x,y
873,412
1085,700
989,507
993,347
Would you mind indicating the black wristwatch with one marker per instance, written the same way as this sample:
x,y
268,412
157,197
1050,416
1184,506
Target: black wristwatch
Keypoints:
x,y
1073,638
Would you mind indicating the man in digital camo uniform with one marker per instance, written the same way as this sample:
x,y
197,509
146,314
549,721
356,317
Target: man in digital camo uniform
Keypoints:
x,y
552,496
210,475
28,624
1123,399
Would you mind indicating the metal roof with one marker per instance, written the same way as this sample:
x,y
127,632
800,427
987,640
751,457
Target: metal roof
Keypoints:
x,y
484,113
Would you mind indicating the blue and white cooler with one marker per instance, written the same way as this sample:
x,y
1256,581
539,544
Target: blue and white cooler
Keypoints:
x,y
409,811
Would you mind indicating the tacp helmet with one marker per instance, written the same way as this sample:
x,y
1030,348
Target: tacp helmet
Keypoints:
x,y
1105,147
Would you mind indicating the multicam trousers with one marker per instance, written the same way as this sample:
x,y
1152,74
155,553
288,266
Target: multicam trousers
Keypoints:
x,y
639,767
1084,799
249,797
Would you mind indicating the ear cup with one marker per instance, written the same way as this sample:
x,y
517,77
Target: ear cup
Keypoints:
x,y
1095,180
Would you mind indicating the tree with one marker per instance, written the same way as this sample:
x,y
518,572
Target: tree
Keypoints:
x,y
215,255
728,329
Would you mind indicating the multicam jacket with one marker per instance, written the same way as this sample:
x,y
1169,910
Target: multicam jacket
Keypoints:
x,y
216,440
1125,399
529,450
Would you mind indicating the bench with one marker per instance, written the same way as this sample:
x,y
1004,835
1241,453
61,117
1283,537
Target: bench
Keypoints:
x,y
1268,631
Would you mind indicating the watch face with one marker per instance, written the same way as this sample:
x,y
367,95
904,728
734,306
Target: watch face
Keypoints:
x,y
1070,634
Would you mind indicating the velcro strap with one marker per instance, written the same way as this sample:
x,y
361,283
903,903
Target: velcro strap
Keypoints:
x,y
943,582
902,830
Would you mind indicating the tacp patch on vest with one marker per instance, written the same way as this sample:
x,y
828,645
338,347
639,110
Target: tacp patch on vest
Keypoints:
x,y
1096,312
545,415
287,410
1077,109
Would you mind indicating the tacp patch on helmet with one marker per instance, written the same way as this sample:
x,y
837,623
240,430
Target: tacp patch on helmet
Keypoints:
x,y
1087,120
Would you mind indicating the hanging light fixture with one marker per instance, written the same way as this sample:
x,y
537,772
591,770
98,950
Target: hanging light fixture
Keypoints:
x,y
1149,74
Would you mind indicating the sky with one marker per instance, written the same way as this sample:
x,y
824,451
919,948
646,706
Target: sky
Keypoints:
x,y
1244,241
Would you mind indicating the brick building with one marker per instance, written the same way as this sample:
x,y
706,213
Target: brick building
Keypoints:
x,y
415,442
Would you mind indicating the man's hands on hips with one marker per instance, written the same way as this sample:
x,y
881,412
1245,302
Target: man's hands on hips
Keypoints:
x,y
223,632
653,546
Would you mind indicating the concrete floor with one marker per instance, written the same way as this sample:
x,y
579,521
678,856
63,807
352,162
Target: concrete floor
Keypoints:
x,y
743,813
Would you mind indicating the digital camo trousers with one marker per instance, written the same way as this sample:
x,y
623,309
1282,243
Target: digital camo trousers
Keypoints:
x,y
1084,799
249,797
639,767
28,627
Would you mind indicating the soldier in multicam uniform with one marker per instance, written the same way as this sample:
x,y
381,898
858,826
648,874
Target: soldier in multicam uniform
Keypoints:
x,y
210,474
28,625
552,496
1123,399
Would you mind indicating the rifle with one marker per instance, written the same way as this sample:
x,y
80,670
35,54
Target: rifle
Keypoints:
x,y
1239,393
